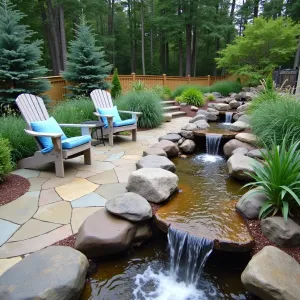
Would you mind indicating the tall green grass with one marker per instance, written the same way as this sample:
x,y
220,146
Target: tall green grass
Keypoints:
x,y
192,97
226,87
181,89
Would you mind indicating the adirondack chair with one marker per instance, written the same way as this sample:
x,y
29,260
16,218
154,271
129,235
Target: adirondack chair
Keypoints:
x,y
33,110
102,100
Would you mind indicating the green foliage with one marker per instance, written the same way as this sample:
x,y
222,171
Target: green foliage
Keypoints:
x,y
264,45
226,87
86,66
265,96
180,89
147,103
269,84
74,111
164,92
138,86
193,96
12,129
116,89
5,158
19,57
276,118
210,97
279,178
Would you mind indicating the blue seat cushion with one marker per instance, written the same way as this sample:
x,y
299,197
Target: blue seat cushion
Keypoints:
x,y
47,126
112,111
125,122
73,142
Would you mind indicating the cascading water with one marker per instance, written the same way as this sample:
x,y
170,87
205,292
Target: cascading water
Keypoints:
x,y
213,143
228,117
188,255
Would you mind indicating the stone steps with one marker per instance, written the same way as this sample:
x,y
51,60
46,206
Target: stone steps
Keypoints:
x,y
171,108
168,102
177,114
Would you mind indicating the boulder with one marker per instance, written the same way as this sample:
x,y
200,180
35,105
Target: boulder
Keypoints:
x,y
188,146
102,234
197,118
237,116
143,233
244,118
154,151
194,108
246,89
256,153
221,106
202,112
249,96
189,127
169,147
156,161
283,234
233,144
212,117
202,124
50,274
227,100
217,95
234,104
248,138
240,150
213,111
181,141
272,274
239,126
167,117
155,185
250,204
237,97
183,104
173,137
130,206
239,165
243,108
187,134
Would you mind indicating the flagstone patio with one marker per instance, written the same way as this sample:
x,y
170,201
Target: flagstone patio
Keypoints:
x,y
54,208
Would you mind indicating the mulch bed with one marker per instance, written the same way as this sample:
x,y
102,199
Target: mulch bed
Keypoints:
x,y
68,242
12,188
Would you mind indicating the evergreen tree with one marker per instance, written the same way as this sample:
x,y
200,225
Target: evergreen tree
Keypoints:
x,y
19,58
116,89
86,66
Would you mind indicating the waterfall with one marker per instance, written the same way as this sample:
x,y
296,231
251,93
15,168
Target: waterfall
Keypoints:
x,y
228,117
188,255
213,143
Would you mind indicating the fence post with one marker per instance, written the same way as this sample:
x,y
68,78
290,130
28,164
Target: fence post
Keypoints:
x,y
164,79
208,80
133,76
189,79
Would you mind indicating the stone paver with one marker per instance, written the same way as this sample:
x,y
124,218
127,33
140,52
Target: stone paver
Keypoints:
x,y
7,230
92,199
59,213
56,207
22,209
6,264
75,189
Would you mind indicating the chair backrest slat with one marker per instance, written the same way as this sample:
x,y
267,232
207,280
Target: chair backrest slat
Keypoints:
x,y
101,99
32,108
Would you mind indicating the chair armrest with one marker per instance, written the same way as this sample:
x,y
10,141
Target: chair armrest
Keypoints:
x,y
78,125
130,112
43,134
105,116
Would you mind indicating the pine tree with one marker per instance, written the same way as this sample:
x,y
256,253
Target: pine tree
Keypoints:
x,y
86,66
19,57
116,89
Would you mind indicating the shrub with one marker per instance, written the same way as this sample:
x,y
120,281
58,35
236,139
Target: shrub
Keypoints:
x,y
116,89
180,89
5,158
279,179
179,99
274,120
265,96
226,87
163,91
193,96
74,111
138,86
210,97
145,102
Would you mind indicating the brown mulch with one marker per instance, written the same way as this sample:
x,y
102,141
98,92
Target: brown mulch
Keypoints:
x,y
262,241
68,242
12,188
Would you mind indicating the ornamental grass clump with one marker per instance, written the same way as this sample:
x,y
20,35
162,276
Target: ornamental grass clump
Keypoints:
x,y
193,96
279,179
147,103
5,158
181,89
226,87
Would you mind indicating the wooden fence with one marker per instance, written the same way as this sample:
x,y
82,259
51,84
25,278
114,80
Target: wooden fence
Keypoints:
x,y
58,84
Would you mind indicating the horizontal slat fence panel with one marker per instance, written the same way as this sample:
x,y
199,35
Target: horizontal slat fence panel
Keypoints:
x,y
58,84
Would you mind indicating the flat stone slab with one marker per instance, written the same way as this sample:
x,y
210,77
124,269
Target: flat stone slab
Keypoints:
x,y
245,137
115,156
104,178
26,173
122,174
92,199
173,137
77,188
6,264
48,196
97,167
22,209
154,151
36,183
7,230
226,134
155,161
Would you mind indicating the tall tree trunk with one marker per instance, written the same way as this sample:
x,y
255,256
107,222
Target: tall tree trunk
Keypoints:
x,y
255,8
166,58
231,18
63,43
151,37
297,57
194,61
131,36
180,56
143,37
188,30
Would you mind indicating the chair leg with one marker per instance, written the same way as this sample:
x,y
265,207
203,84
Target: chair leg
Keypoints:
x,y
134,134
87,157
59,167
111,138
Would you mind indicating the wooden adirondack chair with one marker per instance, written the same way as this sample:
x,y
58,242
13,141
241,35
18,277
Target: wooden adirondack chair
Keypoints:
x,y
102,99
33,109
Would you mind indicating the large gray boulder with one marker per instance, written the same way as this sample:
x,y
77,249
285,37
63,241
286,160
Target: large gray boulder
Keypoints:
x,y
188,146
244,118
212,110
243,108
155,185
233,144
246,137
284,234
189,127
234,104
239,166
272,274
226,100
169,147
202,124
130,206
187,134
221,106
173,137
250,203
257,153
217,94
154,151
155,161
239,126
50,274
240,150
197,118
